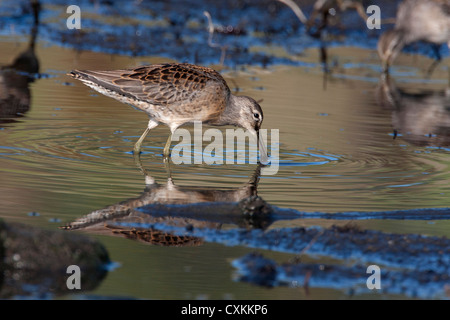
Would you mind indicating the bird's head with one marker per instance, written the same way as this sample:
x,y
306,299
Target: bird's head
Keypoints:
x,y
250,118
250,113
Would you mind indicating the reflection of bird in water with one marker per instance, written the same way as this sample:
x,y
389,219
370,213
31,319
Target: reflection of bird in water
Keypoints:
x,y
423,118
175,94
16,77
417,20
187,207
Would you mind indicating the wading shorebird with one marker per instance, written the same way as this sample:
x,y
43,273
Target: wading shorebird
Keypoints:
x,y
176,94
416,20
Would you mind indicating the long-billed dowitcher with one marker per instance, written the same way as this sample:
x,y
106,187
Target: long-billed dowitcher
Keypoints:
x,y
175,94
416,20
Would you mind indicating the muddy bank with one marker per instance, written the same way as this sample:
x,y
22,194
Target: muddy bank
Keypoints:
x,y
409,251
411,265
256,269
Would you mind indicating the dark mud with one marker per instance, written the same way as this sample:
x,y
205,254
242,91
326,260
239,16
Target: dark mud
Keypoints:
x,y
34,262
408,251
412,265
256,269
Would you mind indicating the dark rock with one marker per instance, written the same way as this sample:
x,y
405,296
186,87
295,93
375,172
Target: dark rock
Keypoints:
x,y
34,261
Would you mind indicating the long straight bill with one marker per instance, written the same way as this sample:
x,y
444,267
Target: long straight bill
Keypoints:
x,y
263,158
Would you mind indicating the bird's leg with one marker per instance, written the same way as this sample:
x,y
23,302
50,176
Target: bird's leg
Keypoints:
x,y
137,153
385,64
435,62
149,180
138,163
151,124
137,146
166,152
168,170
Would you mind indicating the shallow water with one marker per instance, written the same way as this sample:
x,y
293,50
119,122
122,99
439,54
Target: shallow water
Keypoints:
x,y
70,154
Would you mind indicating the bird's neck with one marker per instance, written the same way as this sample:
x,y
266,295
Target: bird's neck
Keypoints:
x,y
231,113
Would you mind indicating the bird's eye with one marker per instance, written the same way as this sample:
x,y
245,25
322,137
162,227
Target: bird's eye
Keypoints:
x,y
256,115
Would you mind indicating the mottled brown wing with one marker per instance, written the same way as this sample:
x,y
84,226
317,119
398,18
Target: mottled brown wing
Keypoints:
x,y
157,84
